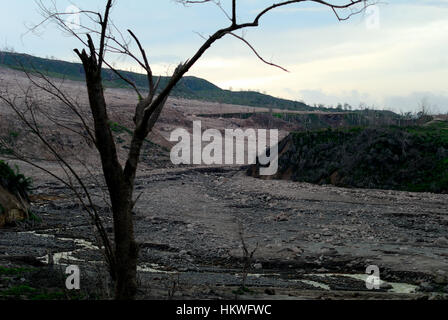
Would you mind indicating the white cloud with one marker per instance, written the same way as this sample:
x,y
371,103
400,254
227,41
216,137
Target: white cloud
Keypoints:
x,y
408,54
435,102
329,62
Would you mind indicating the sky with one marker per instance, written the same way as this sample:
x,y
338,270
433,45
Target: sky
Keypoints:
x,y
394,56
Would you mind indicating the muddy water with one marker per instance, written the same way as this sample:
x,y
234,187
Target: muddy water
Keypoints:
x,y
396,287
68,257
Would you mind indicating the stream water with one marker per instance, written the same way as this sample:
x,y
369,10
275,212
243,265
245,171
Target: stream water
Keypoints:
x,y
67,258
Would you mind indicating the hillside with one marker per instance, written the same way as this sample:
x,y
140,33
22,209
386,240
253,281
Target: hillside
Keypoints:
x,y
411,158
189,87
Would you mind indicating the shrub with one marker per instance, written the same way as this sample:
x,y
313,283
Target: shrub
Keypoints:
x,y
404,158
14,181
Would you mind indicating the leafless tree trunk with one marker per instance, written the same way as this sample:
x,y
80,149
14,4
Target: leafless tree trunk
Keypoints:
x,y
120,180
247,256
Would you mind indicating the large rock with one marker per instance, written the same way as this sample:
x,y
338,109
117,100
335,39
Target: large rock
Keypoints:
x,y
12,208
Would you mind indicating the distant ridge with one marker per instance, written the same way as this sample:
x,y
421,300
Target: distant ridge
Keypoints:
x,y
189,87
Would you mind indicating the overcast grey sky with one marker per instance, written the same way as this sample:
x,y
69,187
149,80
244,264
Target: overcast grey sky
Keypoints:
x,y
393,57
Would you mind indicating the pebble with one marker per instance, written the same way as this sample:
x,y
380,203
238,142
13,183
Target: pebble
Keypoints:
x,y
427,287
441,272
296,250
442,241
385,286
440,279
258,266
270,292
281,217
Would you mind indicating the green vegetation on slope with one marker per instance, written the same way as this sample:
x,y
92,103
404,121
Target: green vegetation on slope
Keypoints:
x,y
13,180
188,87
402,158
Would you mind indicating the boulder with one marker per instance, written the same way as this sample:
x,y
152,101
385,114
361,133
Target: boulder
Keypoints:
x,y
12,208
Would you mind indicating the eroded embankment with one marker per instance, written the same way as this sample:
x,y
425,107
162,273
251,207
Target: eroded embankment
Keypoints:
x,y
398,158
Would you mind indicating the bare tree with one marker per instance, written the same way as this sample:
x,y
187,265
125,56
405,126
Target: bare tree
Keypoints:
x,y
425,109
248,256
104,37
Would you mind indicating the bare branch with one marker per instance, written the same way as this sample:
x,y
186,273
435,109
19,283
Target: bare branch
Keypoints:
x,y
147,67
104,27
256,53
67,168
120,181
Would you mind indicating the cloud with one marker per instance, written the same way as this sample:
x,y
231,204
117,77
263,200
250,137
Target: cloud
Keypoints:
x,y
435,102
354,98
346,62
328,60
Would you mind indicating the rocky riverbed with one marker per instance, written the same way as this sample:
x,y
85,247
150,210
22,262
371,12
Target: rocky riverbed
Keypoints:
x,y
310,242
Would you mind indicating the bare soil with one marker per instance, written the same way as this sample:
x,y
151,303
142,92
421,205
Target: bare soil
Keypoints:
x,y
313,242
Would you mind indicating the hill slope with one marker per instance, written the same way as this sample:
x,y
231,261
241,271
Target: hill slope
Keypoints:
x,y
189,87
411,158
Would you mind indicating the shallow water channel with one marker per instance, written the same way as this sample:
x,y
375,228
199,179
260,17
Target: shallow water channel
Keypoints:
x,y
68,257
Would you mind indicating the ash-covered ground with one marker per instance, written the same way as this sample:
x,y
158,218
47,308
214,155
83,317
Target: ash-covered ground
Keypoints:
x,y
312,242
